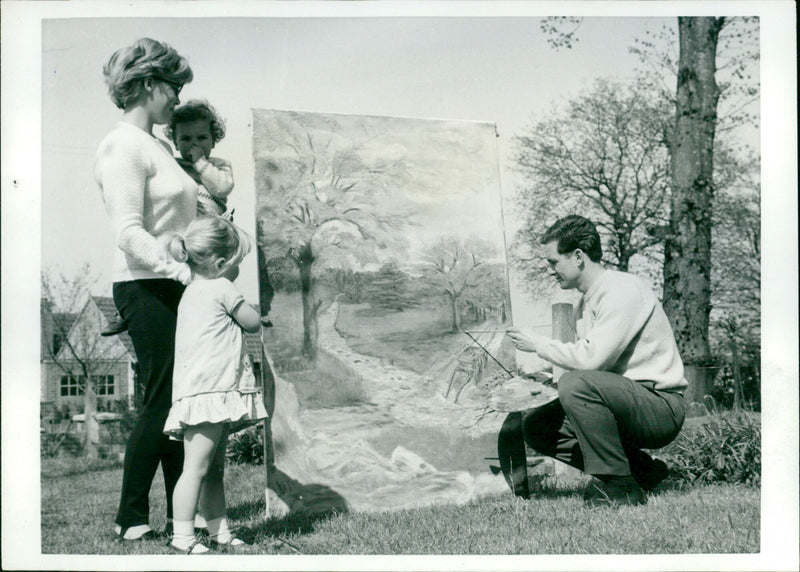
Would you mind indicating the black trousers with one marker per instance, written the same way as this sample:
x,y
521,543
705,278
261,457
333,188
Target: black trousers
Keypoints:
x,y
150,308
599,424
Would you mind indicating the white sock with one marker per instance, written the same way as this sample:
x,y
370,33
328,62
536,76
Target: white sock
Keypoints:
x,y
199,521
219,531
183,536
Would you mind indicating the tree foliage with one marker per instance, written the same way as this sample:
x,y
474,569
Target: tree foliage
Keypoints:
x,y
737,68
604,155
390,288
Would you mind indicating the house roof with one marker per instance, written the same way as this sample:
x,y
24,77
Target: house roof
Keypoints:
x,y
109,310
55,323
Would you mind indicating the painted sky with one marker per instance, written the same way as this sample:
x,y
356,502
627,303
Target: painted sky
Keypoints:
x,y
447,181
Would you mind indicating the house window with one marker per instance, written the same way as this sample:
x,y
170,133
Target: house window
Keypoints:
x,y
70,385
104,384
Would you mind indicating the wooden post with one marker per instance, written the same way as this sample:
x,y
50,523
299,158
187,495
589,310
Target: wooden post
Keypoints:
x,y
563,330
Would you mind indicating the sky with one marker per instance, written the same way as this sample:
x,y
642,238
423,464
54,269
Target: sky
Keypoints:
x,y
462,61
497,70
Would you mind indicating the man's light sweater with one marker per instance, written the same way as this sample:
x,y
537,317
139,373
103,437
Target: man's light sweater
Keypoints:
x,y
623,329
149,198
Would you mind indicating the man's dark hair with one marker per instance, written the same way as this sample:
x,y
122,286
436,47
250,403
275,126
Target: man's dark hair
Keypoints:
x,y
572,232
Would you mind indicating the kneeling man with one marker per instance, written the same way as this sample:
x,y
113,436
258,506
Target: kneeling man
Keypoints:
x,y
623,390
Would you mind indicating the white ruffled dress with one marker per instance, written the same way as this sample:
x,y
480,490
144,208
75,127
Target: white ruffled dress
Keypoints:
x,y
213,379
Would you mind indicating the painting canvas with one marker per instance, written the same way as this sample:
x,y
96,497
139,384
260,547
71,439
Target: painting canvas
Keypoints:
x,y
382,265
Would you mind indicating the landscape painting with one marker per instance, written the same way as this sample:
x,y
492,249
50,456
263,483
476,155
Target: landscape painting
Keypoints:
x,y
382,264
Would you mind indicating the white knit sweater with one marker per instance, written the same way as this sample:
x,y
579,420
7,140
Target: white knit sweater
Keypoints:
x,y
149,198
622,328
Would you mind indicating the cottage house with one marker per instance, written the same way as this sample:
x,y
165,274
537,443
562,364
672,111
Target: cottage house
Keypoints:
x,y
72,348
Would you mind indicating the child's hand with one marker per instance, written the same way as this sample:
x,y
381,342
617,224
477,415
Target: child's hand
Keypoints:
x,y
196,152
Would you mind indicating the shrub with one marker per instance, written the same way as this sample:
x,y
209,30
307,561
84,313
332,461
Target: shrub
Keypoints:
x,y
246,446
723,447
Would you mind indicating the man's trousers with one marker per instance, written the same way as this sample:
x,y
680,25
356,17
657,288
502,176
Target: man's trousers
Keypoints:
x,y
599,424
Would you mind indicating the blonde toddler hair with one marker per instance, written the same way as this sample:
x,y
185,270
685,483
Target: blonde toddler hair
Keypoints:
x,y
210,237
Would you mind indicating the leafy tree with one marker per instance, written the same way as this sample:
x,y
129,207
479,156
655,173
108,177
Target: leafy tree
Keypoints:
x,y
455,266
321,201
347,282
390,288
715,73
73,343
604,155
715,92
489,297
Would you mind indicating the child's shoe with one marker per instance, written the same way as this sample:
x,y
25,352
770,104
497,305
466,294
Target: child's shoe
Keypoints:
x,y
115,326
194,547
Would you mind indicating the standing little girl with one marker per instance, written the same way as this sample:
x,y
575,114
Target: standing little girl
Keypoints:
x,y
214,390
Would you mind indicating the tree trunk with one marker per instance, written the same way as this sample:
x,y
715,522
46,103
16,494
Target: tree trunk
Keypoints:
x,y
304,262
687,249
90,424
454,308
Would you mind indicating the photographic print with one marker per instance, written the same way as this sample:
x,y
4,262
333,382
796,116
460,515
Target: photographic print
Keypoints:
x,y
496,285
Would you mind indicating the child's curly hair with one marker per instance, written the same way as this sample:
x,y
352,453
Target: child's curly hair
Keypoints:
x,y
192,110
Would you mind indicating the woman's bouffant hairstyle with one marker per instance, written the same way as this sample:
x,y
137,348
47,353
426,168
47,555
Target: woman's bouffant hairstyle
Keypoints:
x,y
128,68
191,111
207,238
573,232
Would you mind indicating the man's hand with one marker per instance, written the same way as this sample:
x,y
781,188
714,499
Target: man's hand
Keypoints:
x,y
523,342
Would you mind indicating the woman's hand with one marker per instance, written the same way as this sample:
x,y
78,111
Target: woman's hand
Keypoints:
x,y
523,342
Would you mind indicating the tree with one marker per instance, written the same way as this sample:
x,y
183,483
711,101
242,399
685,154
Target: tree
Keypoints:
x,y
687,249
604,155
489,296
715,92
454,266
72,325
320,201
390,288
735,334
698,98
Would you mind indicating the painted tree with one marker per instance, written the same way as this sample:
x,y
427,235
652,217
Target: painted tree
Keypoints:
x,y
72,325
390,288
453,266
320,201
604,155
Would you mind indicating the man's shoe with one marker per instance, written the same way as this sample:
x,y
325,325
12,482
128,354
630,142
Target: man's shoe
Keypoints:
x,y
650,476
614,491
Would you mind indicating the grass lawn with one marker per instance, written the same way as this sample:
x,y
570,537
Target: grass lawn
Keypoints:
x,y
78,511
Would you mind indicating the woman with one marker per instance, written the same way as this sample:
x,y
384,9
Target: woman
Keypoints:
x,y
148,198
